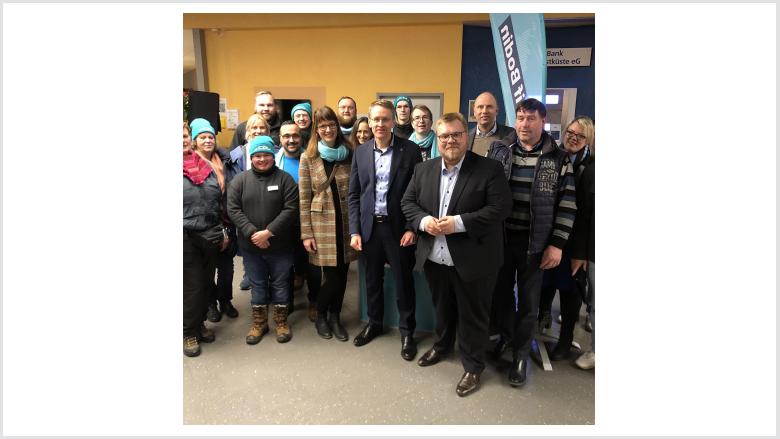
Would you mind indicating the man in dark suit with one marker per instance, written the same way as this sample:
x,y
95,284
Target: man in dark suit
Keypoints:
x,y
381,170
458,203
487,130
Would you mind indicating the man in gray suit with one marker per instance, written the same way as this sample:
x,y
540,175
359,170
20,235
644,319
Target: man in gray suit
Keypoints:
x,y
487,130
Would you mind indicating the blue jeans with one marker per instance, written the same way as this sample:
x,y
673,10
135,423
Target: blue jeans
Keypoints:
x,y
269,275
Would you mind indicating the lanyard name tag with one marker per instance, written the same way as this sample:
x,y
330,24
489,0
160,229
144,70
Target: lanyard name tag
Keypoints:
x,y
273,188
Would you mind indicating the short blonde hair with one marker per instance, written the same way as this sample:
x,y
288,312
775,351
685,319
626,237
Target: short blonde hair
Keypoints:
x,y
588,128
253,120
451,117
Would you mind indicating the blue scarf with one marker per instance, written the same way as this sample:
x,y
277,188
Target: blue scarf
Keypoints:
x,y
332,154
430,141
346,131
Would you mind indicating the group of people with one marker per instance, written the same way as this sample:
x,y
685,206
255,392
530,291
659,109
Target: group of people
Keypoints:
x,y
489,215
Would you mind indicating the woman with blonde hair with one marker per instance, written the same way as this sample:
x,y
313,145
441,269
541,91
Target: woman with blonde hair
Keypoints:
x,y
323,184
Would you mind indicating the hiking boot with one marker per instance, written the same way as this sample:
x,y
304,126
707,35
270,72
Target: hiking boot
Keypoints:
x,y
259,324
191,346
283,331
206,335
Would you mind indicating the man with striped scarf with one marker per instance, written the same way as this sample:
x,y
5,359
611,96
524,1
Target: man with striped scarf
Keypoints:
x,y
542,182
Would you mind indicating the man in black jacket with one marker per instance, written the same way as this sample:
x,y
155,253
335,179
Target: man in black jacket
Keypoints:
x,y
263,205
381,170
458,202
265,106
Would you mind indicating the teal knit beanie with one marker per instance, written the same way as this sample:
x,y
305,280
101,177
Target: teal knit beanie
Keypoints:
x,y
261,144
305,106
199,126
402,98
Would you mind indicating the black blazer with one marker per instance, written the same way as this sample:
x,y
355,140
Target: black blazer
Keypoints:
x,y
481,197
362,186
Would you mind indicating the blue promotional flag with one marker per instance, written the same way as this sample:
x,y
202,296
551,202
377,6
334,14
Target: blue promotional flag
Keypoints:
x,y
521,57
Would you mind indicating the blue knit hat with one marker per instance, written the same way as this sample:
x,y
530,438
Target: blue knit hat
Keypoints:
x,y
262,144
199,126
402,98
305,106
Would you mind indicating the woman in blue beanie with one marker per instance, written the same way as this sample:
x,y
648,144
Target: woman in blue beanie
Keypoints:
x,y
203,237
205,145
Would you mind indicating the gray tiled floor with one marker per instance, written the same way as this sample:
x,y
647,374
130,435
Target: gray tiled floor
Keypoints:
x,y
314,381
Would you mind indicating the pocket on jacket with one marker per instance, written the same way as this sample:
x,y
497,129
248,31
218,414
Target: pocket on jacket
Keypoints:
x,y
316,202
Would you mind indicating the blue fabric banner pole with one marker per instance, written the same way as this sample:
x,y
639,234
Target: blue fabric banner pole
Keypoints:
x,y
521,57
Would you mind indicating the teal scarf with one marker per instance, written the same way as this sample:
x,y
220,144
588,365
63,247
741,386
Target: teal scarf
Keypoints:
x,y
346,131
429,141
332,154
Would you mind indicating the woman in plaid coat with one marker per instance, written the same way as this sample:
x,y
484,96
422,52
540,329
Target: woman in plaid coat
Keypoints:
x,y
323,185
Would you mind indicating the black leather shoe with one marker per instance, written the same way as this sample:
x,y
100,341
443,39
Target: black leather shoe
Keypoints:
x,y
561,351
323,330
367,334
408,347
500,348
468,384
226,307
517,374
334,321
430,358
212,314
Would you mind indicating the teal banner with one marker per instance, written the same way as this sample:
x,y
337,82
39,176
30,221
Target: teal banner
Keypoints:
x,y
521,57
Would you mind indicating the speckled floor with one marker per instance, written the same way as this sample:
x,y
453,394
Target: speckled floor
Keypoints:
x,y
315,381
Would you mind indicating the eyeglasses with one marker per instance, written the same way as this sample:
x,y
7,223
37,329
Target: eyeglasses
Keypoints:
x,y
324,128
579,137
380,120
451,136
419,118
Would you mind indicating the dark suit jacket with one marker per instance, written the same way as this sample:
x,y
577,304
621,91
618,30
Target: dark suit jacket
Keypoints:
x,y
501,131
362,186
482,199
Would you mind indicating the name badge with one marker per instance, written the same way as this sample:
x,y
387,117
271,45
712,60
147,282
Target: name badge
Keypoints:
x,y
273,188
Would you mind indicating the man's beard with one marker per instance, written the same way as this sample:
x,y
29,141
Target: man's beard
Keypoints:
x,y
295,153
346,122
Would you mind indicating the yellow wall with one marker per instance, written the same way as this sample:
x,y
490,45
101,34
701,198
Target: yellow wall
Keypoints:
x,y
354,60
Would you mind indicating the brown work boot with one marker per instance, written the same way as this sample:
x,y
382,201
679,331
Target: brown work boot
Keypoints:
x,y
283,332
312,311
191,346
259,324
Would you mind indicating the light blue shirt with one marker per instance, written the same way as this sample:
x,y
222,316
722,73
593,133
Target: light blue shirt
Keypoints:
x,y
440,253
382,161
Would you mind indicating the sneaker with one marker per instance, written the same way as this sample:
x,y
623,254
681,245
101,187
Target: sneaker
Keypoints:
x,y
586,361
191,346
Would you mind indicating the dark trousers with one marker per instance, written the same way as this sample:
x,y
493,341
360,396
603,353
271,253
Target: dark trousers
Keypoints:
x,y
383,247
199,265
463,307
331,295
313,273
560,278
524,268
222,290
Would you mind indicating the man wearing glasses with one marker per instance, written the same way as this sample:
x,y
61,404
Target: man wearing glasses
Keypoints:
x,y
458,203
487,130
543,210
381,170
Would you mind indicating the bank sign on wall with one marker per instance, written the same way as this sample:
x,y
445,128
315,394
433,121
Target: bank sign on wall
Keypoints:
x,y
569,57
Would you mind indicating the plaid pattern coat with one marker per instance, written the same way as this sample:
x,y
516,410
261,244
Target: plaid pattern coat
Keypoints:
x,y
318,214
